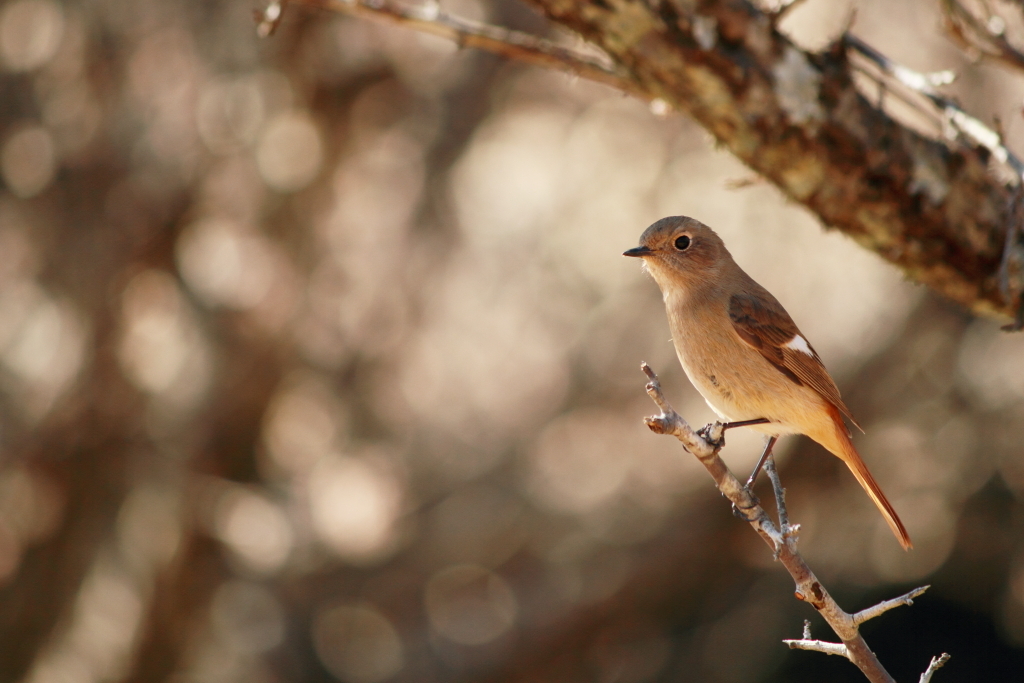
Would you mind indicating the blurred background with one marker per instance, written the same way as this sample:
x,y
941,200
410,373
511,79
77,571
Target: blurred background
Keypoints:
x,y
319,362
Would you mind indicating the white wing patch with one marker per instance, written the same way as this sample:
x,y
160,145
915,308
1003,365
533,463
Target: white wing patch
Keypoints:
x,y
798,343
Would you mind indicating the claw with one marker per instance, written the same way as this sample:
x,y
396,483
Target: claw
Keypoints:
x,y
741,512
705,433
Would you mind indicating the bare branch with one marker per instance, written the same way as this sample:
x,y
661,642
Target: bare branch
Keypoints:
x,y
818,646
808,643
883,607
933,666
428,18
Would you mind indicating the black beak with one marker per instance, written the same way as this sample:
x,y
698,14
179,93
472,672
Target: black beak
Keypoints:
x,y
638,251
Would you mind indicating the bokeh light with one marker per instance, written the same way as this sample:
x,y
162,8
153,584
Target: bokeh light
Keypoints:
x,y
248,616
256,530
289,151
30,33
28,161
226,264
354,507
470,605
357,644
161,350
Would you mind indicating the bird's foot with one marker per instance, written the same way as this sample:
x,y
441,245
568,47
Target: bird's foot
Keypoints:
x,y
744,512
712,434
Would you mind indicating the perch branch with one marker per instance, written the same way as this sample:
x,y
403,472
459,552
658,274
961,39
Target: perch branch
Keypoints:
x,y
428,18
705,444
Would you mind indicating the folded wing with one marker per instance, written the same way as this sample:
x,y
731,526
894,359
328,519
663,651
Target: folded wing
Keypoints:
x,y
761,321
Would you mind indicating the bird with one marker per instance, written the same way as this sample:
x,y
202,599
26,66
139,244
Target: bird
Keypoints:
x,y
744,354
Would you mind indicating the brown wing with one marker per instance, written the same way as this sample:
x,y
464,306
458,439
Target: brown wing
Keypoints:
x,y
761,321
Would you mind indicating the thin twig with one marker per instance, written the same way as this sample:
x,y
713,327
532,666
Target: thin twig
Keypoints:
x,y
818,646
936,664
883,607
809,643
780,493
428,18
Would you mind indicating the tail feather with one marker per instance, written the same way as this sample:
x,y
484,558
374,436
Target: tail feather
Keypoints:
x,y
851,457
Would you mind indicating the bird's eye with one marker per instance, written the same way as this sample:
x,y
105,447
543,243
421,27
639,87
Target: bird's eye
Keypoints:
x,y
682,242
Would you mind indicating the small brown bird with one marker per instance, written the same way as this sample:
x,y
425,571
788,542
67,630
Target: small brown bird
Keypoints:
x,y
743,352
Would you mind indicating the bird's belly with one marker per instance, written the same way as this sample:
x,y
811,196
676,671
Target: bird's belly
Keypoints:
x,y
734,397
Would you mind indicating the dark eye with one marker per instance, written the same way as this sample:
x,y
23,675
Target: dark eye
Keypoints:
x,y
682,242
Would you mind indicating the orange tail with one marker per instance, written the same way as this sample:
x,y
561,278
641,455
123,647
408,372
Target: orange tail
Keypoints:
x,y
851,457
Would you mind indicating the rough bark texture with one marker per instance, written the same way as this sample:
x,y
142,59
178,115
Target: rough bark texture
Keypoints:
x,y
797,119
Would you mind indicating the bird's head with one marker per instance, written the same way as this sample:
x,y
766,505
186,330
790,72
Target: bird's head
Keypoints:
x,y
681,251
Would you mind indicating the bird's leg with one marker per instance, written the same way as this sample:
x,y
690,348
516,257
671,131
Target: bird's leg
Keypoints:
x,y
745,423
705,431
749,486
760,463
